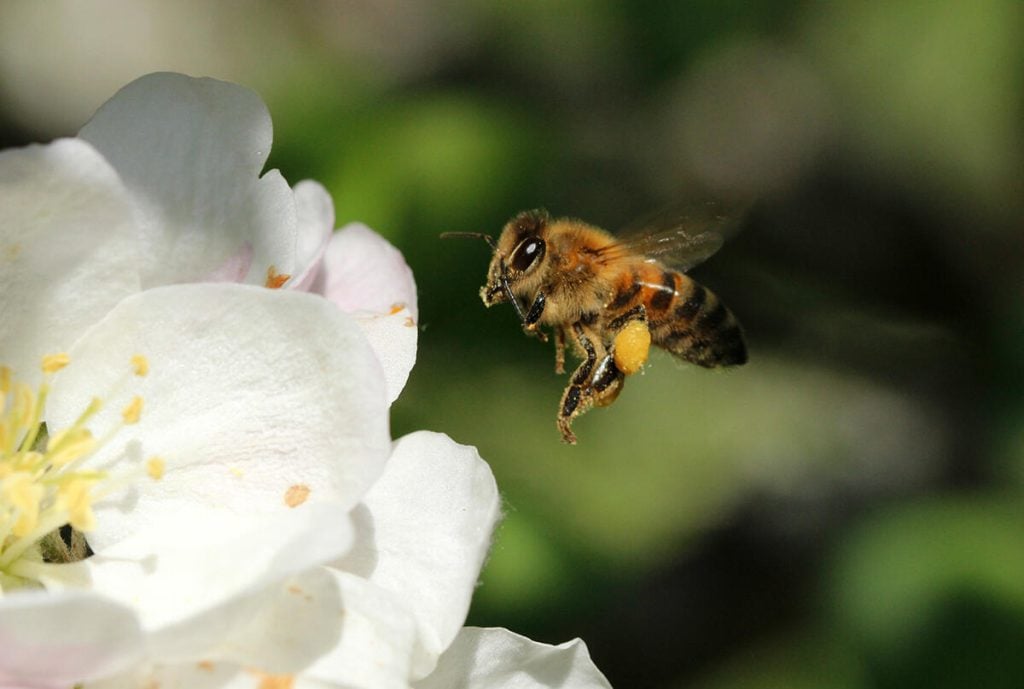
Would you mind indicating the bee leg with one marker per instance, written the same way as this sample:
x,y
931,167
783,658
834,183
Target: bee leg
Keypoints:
x,y
532,317
559,351
578,396
630,339
607,381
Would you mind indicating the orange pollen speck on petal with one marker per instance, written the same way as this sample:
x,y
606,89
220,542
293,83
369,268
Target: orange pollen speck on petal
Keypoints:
x,y
395,308
206,665
274,681
275,279
409,322
296,495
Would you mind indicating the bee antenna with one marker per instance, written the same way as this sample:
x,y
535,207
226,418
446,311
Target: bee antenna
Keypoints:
x,y
471,235
501,262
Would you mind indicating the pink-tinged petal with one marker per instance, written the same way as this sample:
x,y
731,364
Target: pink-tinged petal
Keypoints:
x,y
51,640
363,272
234,268
316,226
190,152
488,658
258,400
68,249
424,534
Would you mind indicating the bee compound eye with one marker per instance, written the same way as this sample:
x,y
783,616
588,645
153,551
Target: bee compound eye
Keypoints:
x,y
527,253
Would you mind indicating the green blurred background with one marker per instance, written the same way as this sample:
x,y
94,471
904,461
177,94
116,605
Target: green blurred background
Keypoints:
x,y
845,510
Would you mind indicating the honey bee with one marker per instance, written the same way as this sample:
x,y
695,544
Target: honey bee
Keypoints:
x,y
612,298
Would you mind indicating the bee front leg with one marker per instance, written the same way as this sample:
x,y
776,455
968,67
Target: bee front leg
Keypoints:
x,y
532,317
578,396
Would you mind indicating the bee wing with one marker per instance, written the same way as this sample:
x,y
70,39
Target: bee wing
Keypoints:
x,y
679,237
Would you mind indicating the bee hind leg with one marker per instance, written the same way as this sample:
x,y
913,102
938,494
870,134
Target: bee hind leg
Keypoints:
x,y
591,386
574,402
607,381
579,394
631,342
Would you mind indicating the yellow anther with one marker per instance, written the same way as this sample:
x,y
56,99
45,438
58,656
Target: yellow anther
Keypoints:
x,y
133,411
43,481
155,468
76,497
140,365
55,362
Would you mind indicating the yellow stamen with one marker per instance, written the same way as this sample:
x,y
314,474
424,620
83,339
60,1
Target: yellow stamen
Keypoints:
x,y
24,406
68,445
21,492
140,365
133,411
55,362
155,468
46,485
76,498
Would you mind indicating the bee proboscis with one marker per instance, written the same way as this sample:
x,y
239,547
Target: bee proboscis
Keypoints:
x,y
612,298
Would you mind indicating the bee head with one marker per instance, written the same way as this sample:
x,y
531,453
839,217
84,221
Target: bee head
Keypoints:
x,y
519,253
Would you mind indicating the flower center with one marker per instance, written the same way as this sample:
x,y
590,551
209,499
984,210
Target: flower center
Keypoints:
x,y
44,488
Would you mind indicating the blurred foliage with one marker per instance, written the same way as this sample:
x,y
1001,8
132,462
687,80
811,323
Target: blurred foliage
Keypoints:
x,y
845,510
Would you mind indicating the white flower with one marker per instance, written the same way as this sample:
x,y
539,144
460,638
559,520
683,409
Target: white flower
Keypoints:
x,y
255,524
489,658
269,434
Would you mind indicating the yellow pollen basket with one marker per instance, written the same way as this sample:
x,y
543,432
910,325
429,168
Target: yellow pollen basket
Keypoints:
x,y
43,485
632,345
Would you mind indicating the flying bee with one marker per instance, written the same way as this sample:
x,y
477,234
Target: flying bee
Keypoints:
x,y
612,298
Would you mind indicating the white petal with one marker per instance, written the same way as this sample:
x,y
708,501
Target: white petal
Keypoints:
x,y
257,400
498,658
68,249
316,225
190,596
191,151
363,272
393,337
331,626
55,640
425,532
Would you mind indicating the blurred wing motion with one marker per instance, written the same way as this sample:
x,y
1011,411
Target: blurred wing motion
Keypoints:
x,y
678,237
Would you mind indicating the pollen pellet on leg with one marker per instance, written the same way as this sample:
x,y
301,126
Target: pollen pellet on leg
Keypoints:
x,y
632,345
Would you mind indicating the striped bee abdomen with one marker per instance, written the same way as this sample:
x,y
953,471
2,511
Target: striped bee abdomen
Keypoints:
x,y
690,321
